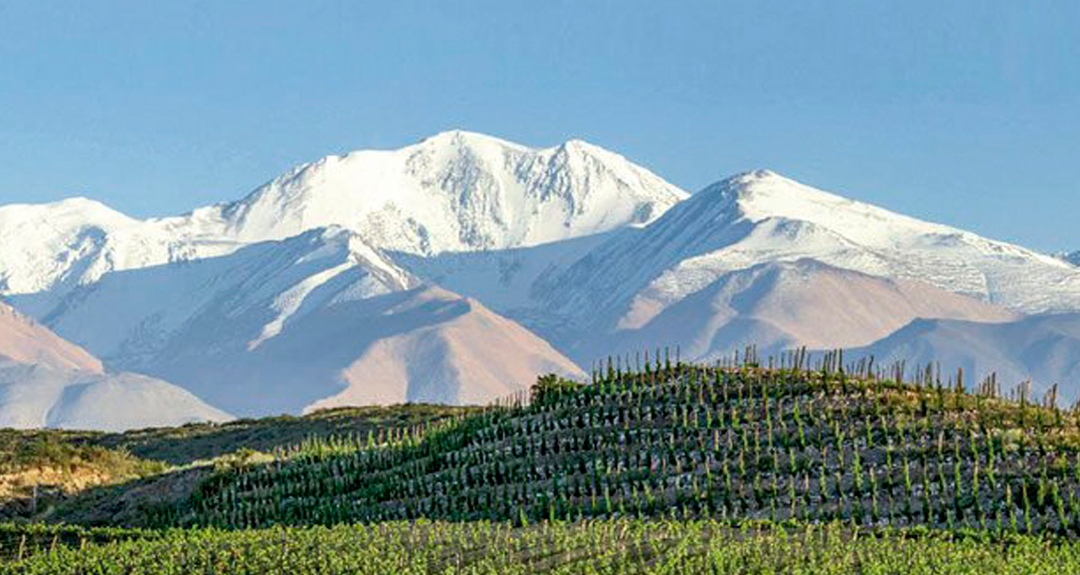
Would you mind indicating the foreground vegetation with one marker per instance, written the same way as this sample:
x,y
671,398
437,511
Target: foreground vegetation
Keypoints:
x,y
37,467
205,441
40,469
597,547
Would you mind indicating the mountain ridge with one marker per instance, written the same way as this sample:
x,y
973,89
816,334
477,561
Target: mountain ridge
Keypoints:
x,y
722,229
1041,349
487,182
573,251
324,307
570,190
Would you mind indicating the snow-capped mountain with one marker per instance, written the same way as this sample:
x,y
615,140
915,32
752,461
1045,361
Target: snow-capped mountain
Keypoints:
x,y
129,316
456,191
339,281
1043,349
760,217
310,321
63,245
48,382
209,299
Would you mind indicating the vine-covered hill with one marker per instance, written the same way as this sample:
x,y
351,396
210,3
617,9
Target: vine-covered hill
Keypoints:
x,y
688,441
40,469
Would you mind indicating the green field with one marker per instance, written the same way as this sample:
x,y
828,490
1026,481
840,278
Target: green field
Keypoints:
x,y
592,547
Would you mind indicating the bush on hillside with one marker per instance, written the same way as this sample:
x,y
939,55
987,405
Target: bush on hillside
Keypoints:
x,y
550,388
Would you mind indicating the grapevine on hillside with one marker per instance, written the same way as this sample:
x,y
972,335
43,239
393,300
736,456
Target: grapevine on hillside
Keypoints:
x,y
692,442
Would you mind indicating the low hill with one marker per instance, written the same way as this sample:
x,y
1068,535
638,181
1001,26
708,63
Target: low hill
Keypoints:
x,y
682,441
59,465
205,441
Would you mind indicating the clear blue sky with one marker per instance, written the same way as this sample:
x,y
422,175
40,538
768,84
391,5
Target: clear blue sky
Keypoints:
x,y
965,112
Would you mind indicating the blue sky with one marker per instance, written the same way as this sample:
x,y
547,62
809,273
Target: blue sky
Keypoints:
x,y
964,112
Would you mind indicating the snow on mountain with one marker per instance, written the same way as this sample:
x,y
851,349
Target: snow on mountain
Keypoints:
x,y
48,382
74,242
421,344
1043,349
40,244
221,285
502,279
892,245
779,305
315,319
457,191
129,316
761,217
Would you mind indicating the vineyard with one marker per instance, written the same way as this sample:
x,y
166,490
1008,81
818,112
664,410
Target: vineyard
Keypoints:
x,y
41,469
598,547
664,468
688,442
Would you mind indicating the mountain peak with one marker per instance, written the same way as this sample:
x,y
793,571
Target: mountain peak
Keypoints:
x,y
457,191
76,203
760,195
76,206
465,138
762,184
475,141
579,145
756,175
